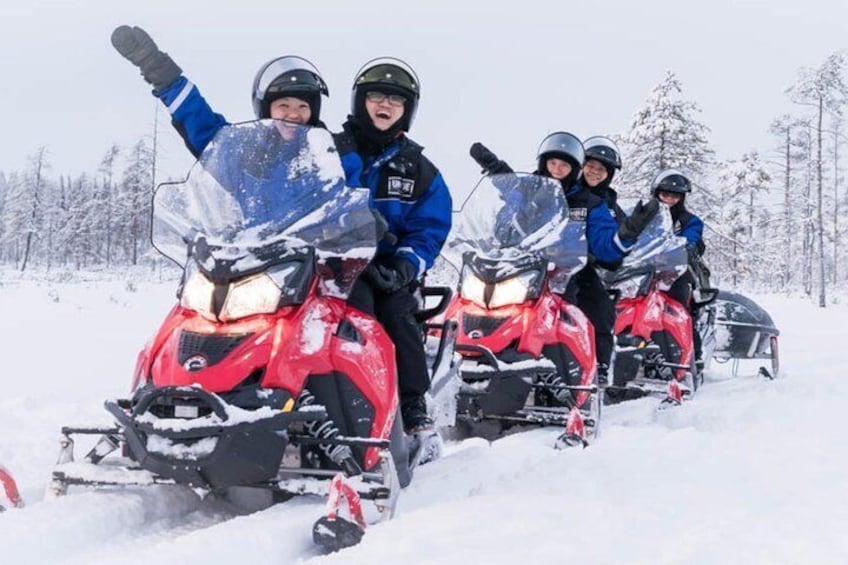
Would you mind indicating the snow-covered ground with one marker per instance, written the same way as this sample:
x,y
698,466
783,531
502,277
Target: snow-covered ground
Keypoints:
x,y
750,471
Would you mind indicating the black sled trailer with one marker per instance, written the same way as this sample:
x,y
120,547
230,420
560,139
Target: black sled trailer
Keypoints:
x,y
744,330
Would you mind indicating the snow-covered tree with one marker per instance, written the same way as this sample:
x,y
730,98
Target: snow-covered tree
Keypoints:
x,y
132,215
825,91
791,170
664,134
105,197
23,213
736,251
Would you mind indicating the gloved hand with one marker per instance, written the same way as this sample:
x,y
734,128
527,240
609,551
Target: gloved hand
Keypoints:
x,y
135,45
392,275
488,160
382,226
636,222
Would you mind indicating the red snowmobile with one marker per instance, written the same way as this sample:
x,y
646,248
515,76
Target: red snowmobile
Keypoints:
x,y
654,352
528,356
262,375
9,494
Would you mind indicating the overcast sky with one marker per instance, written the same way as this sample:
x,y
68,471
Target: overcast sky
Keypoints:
x,y
504,76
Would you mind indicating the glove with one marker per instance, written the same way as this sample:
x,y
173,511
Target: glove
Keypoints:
x,y
488,160
382,226
636,222
135,45
391,276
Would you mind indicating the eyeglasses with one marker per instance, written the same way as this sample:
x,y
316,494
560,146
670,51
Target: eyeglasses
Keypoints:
x,y
394,99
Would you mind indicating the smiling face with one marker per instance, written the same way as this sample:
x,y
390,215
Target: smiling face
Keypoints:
x,y
384,109
594,172
558,168
291,109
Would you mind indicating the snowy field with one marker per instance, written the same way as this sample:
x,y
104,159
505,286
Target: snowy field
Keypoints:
x,y
750,471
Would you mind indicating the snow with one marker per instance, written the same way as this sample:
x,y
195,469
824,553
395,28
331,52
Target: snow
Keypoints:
x,y
749,471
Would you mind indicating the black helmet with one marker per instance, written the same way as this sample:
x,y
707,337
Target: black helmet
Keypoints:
x,y
288,76
603,149
391,76
563,145
671,180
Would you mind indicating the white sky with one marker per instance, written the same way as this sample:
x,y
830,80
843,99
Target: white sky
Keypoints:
x,y
504,76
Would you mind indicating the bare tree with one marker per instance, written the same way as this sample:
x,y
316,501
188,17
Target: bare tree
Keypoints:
x,y
824,90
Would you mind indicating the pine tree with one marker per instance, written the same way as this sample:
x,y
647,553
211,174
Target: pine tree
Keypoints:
x,y
106,197
23,215
134,199
664,134
734,215
825,91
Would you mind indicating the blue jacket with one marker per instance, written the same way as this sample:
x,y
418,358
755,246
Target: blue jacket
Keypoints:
x,y
406,188
601,229
691,227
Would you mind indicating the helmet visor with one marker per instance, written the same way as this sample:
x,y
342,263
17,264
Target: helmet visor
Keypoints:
x,y
389,72
301,73
603,149
562,143
672,181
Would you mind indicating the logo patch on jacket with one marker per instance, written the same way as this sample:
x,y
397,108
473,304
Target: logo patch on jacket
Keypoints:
x,y
399,186
578,214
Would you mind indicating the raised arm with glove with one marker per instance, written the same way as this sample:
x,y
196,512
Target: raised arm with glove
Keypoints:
x,y
488,160
135,45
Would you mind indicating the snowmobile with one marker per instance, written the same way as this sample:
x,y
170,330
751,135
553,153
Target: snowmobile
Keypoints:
x,y
9,495
744,330
528,356
654,349
261,376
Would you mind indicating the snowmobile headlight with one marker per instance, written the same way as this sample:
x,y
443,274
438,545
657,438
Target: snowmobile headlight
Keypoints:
x,y
473,288
197,295
634,286
512,290
258,294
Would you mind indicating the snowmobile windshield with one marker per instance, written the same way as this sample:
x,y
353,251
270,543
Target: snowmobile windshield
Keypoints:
x,y
657,249
510,218
263,192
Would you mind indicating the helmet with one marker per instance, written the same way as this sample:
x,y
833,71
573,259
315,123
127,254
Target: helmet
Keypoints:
x,y
562,145
288,76
671,180
603,149
389,75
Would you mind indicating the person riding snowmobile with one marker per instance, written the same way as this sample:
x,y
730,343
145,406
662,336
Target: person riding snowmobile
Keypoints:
x,y
670,187
603,158
561,156
407,189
